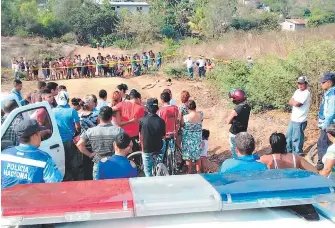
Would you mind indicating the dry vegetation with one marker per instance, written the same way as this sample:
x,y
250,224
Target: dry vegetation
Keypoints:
x,y
239,45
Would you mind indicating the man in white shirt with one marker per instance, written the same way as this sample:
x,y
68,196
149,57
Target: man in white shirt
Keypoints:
x,y
16,69
189,64
201,63
300,103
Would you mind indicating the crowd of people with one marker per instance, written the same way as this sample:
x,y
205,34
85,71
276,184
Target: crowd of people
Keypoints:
x,y
98,133
87,67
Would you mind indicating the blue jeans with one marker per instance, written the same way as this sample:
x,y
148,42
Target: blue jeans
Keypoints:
x,y
190,72
295,137
232,144
323,144
148,160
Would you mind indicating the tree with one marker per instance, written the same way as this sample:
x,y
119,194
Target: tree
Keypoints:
x,y
91,21
219,15
284,7
9,17
63,8
28,12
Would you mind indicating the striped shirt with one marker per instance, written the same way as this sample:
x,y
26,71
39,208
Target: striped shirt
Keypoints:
x,y
101,138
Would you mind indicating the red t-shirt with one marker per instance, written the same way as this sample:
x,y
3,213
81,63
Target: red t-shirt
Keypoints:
x,y
128,111
68,63
169,114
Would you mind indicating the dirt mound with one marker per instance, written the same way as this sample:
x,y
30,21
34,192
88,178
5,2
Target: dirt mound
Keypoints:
x,y
31,48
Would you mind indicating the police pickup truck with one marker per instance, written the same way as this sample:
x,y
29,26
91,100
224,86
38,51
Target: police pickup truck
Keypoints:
x,y
288,198
51,144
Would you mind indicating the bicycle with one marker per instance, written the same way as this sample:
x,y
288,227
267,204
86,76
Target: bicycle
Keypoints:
x,y
174,161
136,157
158,167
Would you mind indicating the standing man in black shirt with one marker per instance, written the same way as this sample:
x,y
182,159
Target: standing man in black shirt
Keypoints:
x,y
152,132
239,117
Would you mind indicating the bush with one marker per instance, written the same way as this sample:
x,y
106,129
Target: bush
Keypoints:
x,y
123,43
171,47
191,41
270,84
20,31
69,38
230,76
319,17
271,81
176,71
261,22
110,39
313,59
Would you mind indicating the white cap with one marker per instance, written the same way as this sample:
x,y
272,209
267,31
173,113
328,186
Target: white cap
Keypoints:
x,y
62,98
302,79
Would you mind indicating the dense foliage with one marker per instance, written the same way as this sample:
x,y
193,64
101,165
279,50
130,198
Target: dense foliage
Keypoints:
x,y
175,19
270,82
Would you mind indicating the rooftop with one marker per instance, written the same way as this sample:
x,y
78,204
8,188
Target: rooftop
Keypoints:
x,y
297,21
129,3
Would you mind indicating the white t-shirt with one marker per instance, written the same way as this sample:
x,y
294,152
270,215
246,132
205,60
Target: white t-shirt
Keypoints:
x,y
204,148
201,62
299,114
189,63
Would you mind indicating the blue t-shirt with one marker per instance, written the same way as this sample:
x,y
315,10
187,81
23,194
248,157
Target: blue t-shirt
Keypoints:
x,y
101,103
115,167
26,164
242,163
19,96
65,118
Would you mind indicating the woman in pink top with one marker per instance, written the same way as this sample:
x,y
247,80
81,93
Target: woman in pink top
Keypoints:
x,y
280,159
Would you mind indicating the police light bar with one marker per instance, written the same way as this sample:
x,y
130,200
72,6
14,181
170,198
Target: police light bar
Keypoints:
x,y
66,202
137,197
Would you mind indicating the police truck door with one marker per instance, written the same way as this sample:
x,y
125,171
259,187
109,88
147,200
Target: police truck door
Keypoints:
x,y
51,143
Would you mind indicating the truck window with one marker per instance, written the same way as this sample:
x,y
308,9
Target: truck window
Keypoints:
x,y
39,114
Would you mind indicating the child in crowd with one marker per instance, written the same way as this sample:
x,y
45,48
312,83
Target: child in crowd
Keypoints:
x,y
75,103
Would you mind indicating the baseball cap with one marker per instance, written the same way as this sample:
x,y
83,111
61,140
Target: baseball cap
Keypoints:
x,y
62,98
327,77
28,128
122,140
302,80
152,102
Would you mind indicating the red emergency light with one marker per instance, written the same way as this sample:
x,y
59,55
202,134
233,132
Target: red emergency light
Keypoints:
x,y
68,201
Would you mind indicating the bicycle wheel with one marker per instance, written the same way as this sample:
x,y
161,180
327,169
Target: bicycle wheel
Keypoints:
x,y
170,161
136,157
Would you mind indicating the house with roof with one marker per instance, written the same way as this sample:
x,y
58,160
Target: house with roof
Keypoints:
x,y
293,24
130,6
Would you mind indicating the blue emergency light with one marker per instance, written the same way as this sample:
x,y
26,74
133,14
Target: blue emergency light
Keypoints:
x,y
271,188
